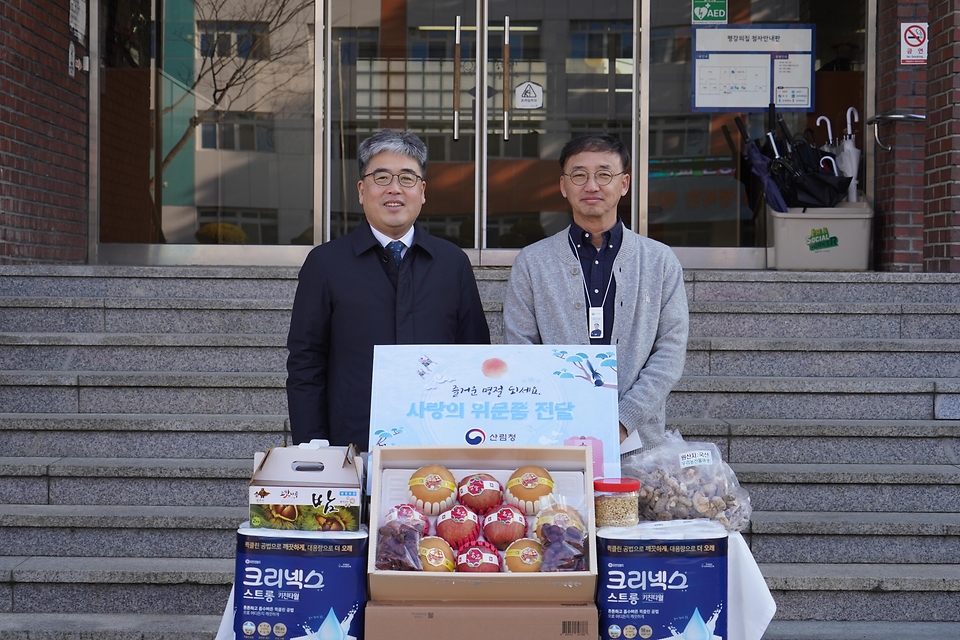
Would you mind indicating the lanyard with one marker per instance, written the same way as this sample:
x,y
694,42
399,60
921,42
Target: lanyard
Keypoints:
x,y
594,314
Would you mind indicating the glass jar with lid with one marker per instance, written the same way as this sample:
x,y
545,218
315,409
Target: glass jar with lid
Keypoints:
x,y
615,501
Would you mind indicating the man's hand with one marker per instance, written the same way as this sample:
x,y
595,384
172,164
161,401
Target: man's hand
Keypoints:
x,y
623,432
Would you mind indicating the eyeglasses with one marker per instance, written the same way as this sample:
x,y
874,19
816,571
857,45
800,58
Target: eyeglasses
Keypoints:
x,y
385,178
603,178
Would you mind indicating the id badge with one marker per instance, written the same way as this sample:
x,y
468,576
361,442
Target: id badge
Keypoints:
x,y
596,322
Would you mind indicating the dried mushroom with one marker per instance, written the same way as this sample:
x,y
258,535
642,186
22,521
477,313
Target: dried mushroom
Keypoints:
x,y
686,480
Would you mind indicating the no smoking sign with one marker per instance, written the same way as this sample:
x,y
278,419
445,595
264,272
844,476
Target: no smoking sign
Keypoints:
x,y
913,43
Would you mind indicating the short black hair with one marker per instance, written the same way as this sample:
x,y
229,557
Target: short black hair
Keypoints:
x,y
595,142
405,143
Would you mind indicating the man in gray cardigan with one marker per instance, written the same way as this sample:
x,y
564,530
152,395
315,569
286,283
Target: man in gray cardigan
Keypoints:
x,y
599,277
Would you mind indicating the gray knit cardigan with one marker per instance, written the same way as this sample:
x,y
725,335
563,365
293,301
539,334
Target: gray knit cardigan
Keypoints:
x,y
545,304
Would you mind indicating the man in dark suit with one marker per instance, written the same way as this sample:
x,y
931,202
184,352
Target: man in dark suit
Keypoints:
x,y
386,282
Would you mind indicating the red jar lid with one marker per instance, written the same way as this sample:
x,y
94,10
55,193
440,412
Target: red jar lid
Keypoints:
x,y
616,485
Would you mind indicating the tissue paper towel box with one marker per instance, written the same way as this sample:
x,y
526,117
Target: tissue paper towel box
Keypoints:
x,y
299,584
663,580
307,488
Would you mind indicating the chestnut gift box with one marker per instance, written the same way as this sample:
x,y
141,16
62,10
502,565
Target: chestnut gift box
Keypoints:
x,y
312,487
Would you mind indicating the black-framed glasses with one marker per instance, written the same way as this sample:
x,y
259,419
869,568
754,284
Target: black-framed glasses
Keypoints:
x,y
384,178
602,177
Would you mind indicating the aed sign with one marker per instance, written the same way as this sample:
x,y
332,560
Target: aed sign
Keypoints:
x,y
709,12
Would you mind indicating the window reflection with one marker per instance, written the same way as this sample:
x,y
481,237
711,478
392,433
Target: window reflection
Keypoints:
x,y
226,119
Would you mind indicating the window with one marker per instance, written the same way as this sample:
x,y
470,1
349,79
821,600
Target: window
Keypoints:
x,y
237,131
599,40
679,136
259,226
243,39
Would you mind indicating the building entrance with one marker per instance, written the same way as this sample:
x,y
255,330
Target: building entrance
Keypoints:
x,y
228,130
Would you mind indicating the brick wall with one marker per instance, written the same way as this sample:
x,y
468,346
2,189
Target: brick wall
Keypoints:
x,y
942,166
899,188
43,136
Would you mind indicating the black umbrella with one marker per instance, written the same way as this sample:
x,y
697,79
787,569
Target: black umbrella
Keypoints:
x,y
760,167
800,174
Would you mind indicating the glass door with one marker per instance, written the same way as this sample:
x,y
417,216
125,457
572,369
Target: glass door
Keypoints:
x,y
553,73
205,130
406,64
548,73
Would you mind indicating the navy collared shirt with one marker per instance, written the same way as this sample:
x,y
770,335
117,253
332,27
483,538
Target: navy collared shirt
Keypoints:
x,y
597,268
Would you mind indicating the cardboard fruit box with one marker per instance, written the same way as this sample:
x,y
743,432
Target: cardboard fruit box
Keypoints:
x,y
308,487
572,470
473,621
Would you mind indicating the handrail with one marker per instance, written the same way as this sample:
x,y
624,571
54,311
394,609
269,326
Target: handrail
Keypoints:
x,y
891,116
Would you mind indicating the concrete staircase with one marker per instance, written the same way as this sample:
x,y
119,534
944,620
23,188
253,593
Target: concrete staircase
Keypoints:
x,y
836,399
132,400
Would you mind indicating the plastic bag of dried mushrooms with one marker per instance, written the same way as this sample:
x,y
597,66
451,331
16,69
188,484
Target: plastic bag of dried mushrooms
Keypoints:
x,y
682,480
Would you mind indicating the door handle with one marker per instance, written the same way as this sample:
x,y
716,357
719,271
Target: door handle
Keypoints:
x,y
506,77
456,82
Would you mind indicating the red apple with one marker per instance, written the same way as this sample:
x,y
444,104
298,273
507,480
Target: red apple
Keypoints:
x,y
458,525
504,526
481,492
478,557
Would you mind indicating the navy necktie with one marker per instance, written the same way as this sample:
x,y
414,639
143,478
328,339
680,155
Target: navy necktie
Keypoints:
x,y
396,248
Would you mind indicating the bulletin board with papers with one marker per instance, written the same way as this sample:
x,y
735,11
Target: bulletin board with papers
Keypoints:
x,y
748,67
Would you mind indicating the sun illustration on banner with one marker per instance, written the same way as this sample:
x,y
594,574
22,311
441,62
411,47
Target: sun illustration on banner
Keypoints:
x,y
494,368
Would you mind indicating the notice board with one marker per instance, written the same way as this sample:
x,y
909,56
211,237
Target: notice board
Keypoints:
x,y
747,67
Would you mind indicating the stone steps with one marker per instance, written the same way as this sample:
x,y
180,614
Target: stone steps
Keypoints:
x,y
170,586
194,586
176,482
252,353
129,626
705,397
133,400
183,353
886,630
60,626
855,487
270,283
822,398
805,287
857,320
865,592
221,482
822,358
144,315
115,531
741,319
141,435
143,392
210,532
850,537
212,283
829,441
